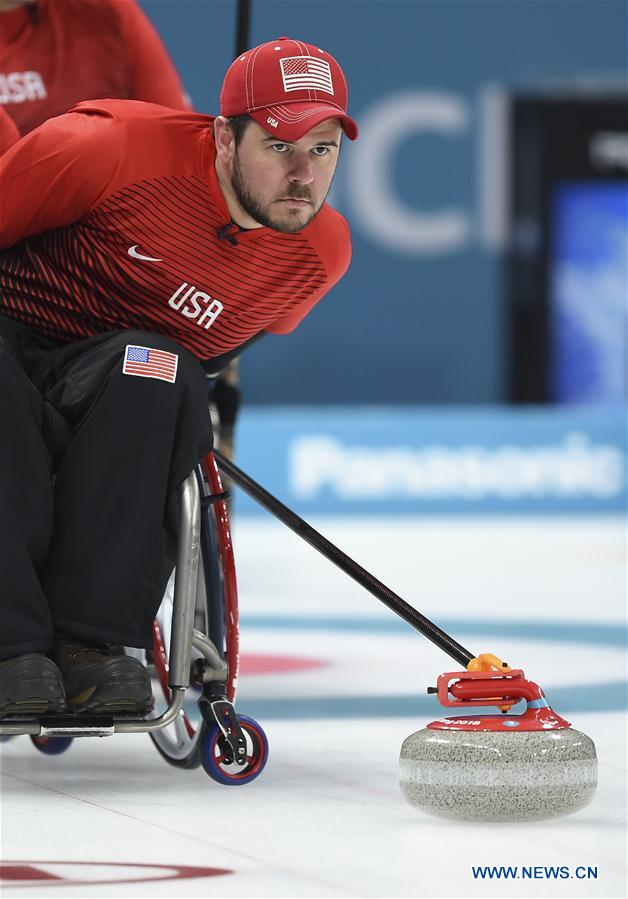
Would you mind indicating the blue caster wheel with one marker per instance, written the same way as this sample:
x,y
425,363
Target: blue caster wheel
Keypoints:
x,y
226,772
52,745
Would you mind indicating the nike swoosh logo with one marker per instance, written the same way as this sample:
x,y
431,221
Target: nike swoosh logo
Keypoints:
x,y
133,252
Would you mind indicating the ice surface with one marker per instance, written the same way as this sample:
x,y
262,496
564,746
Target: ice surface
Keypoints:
x,y
326,818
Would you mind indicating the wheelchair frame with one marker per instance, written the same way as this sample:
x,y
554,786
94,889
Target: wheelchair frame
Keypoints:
x,y
204,539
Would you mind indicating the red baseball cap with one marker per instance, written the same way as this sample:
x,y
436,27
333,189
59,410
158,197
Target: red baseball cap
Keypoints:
x,y
288,87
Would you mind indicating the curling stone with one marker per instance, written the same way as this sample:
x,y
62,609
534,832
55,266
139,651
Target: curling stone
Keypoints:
x,y
503,767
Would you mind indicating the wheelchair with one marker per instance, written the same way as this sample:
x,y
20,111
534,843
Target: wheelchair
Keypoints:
x,y
195,654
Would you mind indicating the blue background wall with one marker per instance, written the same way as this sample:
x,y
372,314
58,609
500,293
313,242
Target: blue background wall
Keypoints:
x,y
420,317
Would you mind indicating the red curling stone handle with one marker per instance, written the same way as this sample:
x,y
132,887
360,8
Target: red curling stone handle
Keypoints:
x,y
468,688
493,689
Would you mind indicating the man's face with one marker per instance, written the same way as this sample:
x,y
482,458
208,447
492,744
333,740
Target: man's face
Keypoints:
x,y
283,185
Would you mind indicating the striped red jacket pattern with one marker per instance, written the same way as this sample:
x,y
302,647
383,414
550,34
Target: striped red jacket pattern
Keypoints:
x,y
113,218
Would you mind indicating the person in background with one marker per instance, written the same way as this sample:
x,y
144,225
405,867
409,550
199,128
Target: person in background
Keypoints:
x,y
8,131
55,53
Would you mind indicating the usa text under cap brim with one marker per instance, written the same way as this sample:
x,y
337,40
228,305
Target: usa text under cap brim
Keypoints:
x,y
290,121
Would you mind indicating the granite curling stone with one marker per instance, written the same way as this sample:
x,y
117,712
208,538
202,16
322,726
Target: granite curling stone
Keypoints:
x,y
489,776
521,767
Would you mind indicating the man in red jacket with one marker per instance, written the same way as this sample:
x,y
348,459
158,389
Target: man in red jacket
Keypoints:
x,y
149,241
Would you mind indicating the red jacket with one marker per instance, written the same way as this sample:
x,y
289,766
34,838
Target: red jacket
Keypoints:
x,y
113,218
8,132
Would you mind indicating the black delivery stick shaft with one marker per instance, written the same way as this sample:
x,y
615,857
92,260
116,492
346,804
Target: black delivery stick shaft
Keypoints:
x,y
344,562
243,22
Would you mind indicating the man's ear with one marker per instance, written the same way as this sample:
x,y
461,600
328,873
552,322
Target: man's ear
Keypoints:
x,y
225,140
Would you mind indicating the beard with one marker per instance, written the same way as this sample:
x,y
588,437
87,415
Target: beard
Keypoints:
x,y
261,212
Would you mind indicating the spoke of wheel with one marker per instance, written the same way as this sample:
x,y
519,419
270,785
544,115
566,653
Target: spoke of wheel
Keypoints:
x,y
188,725
183,736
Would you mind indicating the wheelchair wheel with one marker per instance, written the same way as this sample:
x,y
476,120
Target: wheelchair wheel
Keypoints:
x,y
182,747
214,759
52,745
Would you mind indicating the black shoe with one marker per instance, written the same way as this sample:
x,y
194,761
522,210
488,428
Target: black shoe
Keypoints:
x,y
30,685
102,683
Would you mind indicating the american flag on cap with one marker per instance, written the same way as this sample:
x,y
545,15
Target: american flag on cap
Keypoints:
x,y
301,73
145,362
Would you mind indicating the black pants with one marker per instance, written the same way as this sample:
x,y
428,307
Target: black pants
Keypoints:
x,y
90,463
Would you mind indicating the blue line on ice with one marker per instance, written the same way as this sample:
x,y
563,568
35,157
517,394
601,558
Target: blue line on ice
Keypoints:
x,y
610,634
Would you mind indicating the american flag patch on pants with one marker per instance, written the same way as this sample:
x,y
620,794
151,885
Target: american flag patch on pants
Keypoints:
x,y
145,362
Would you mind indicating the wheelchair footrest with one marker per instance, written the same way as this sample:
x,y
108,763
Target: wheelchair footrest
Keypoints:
x,y
85,726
